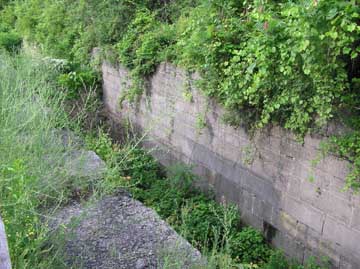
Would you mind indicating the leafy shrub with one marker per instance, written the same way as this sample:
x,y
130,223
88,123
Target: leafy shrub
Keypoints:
x,y
142,48
181,177
250,246
166,196
280,62
8,17
101,144
278,260
75,81
166,201
208,223
3,3
139,167
71,29
10,41
293,63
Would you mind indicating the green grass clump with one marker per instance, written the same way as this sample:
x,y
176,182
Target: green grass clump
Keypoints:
x,y
10,41
31,156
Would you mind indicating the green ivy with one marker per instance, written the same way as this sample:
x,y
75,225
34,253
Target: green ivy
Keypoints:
x,y
348,147
142,48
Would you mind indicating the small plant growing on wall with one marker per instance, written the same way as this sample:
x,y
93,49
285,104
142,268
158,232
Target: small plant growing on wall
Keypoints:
x,y
187,94
200,123
249,153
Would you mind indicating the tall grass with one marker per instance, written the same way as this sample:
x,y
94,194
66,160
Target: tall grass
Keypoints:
x,y
32,177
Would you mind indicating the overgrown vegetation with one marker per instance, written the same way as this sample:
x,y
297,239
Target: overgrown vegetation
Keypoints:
x,y
213,228
35,182
32,176
10,40
291,63
35,178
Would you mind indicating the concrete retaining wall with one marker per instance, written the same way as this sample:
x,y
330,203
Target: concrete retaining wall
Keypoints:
x,y
268,176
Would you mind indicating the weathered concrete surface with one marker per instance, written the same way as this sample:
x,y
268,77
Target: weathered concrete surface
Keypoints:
x,y
120,233
268,176
5,262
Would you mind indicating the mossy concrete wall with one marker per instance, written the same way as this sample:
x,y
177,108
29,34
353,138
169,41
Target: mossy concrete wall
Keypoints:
x,y
269,176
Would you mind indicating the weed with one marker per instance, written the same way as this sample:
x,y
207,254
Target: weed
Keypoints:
x,y
32,157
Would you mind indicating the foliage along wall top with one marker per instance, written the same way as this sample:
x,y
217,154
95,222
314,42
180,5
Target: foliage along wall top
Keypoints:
x,y
292,63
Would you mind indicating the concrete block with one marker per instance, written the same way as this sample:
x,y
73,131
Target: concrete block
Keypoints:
x,y
313,238
250,219
349,263
290,245
233,154
355,219
227,190
305,213
343,237
260,186
334,166
288,224
262,209
247,199
293,187
182,144
337,188
321,258
324,201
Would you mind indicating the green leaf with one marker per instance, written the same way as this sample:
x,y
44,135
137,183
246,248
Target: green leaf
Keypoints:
x,y
351,27
354,54
333,35
346,50
304,45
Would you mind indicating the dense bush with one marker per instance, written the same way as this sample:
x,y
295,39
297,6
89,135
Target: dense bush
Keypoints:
x,y
3,3
10,41
250,246
76,81
280,62
72,29
143,47
278,260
